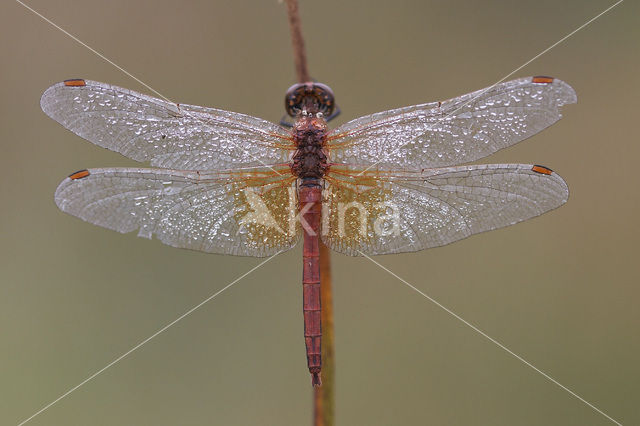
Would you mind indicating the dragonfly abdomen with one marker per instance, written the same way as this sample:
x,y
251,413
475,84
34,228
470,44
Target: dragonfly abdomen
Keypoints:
x,y
310,196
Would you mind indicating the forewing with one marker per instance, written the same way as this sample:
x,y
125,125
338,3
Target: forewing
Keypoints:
x,y
405,212
168,135
239,213
459,130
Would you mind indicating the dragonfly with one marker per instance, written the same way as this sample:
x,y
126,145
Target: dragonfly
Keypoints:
x,y
229,183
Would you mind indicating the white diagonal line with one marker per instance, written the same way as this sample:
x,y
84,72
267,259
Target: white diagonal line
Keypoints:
x,y
503,79
147,340
492,340
558,42
97,53
130,75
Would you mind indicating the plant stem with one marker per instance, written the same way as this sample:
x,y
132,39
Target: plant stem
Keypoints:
x,y
323,398
299,55
324,395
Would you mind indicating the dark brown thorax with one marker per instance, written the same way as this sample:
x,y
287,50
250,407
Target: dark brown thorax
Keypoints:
x,y
310,135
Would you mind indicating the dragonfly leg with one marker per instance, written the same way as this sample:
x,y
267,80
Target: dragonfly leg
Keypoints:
x,y
336,112
284,121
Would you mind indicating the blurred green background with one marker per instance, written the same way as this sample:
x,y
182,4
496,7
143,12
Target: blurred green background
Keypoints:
x,y
560,290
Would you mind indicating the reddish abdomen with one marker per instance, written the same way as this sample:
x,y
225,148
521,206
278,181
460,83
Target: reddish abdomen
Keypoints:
x,y
312,196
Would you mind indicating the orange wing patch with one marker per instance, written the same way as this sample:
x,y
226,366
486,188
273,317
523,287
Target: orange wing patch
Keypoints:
x,y
265,208
79,174
542,170
542,79
76,82
356,208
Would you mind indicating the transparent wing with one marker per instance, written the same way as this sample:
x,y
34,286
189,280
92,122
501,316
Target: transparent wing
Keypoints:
x,y
229,212
166,134
459,130
405,212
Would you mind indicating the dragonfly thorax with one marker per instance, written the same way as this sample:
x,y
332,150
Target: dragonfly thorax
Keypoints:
x,y
309,134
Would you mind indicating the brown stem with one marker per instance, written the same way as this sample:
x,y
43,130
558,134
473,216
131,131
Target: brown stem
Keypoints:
x,y
324,398
299,56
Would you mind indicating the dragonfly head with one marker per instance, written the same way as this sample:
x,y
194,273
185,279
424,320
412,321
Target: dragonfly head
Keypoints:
x,y
310,97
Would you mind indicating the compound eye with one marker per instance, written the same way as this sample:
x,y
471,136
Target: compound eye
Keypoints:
x,y
314,97
293,100
327,102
